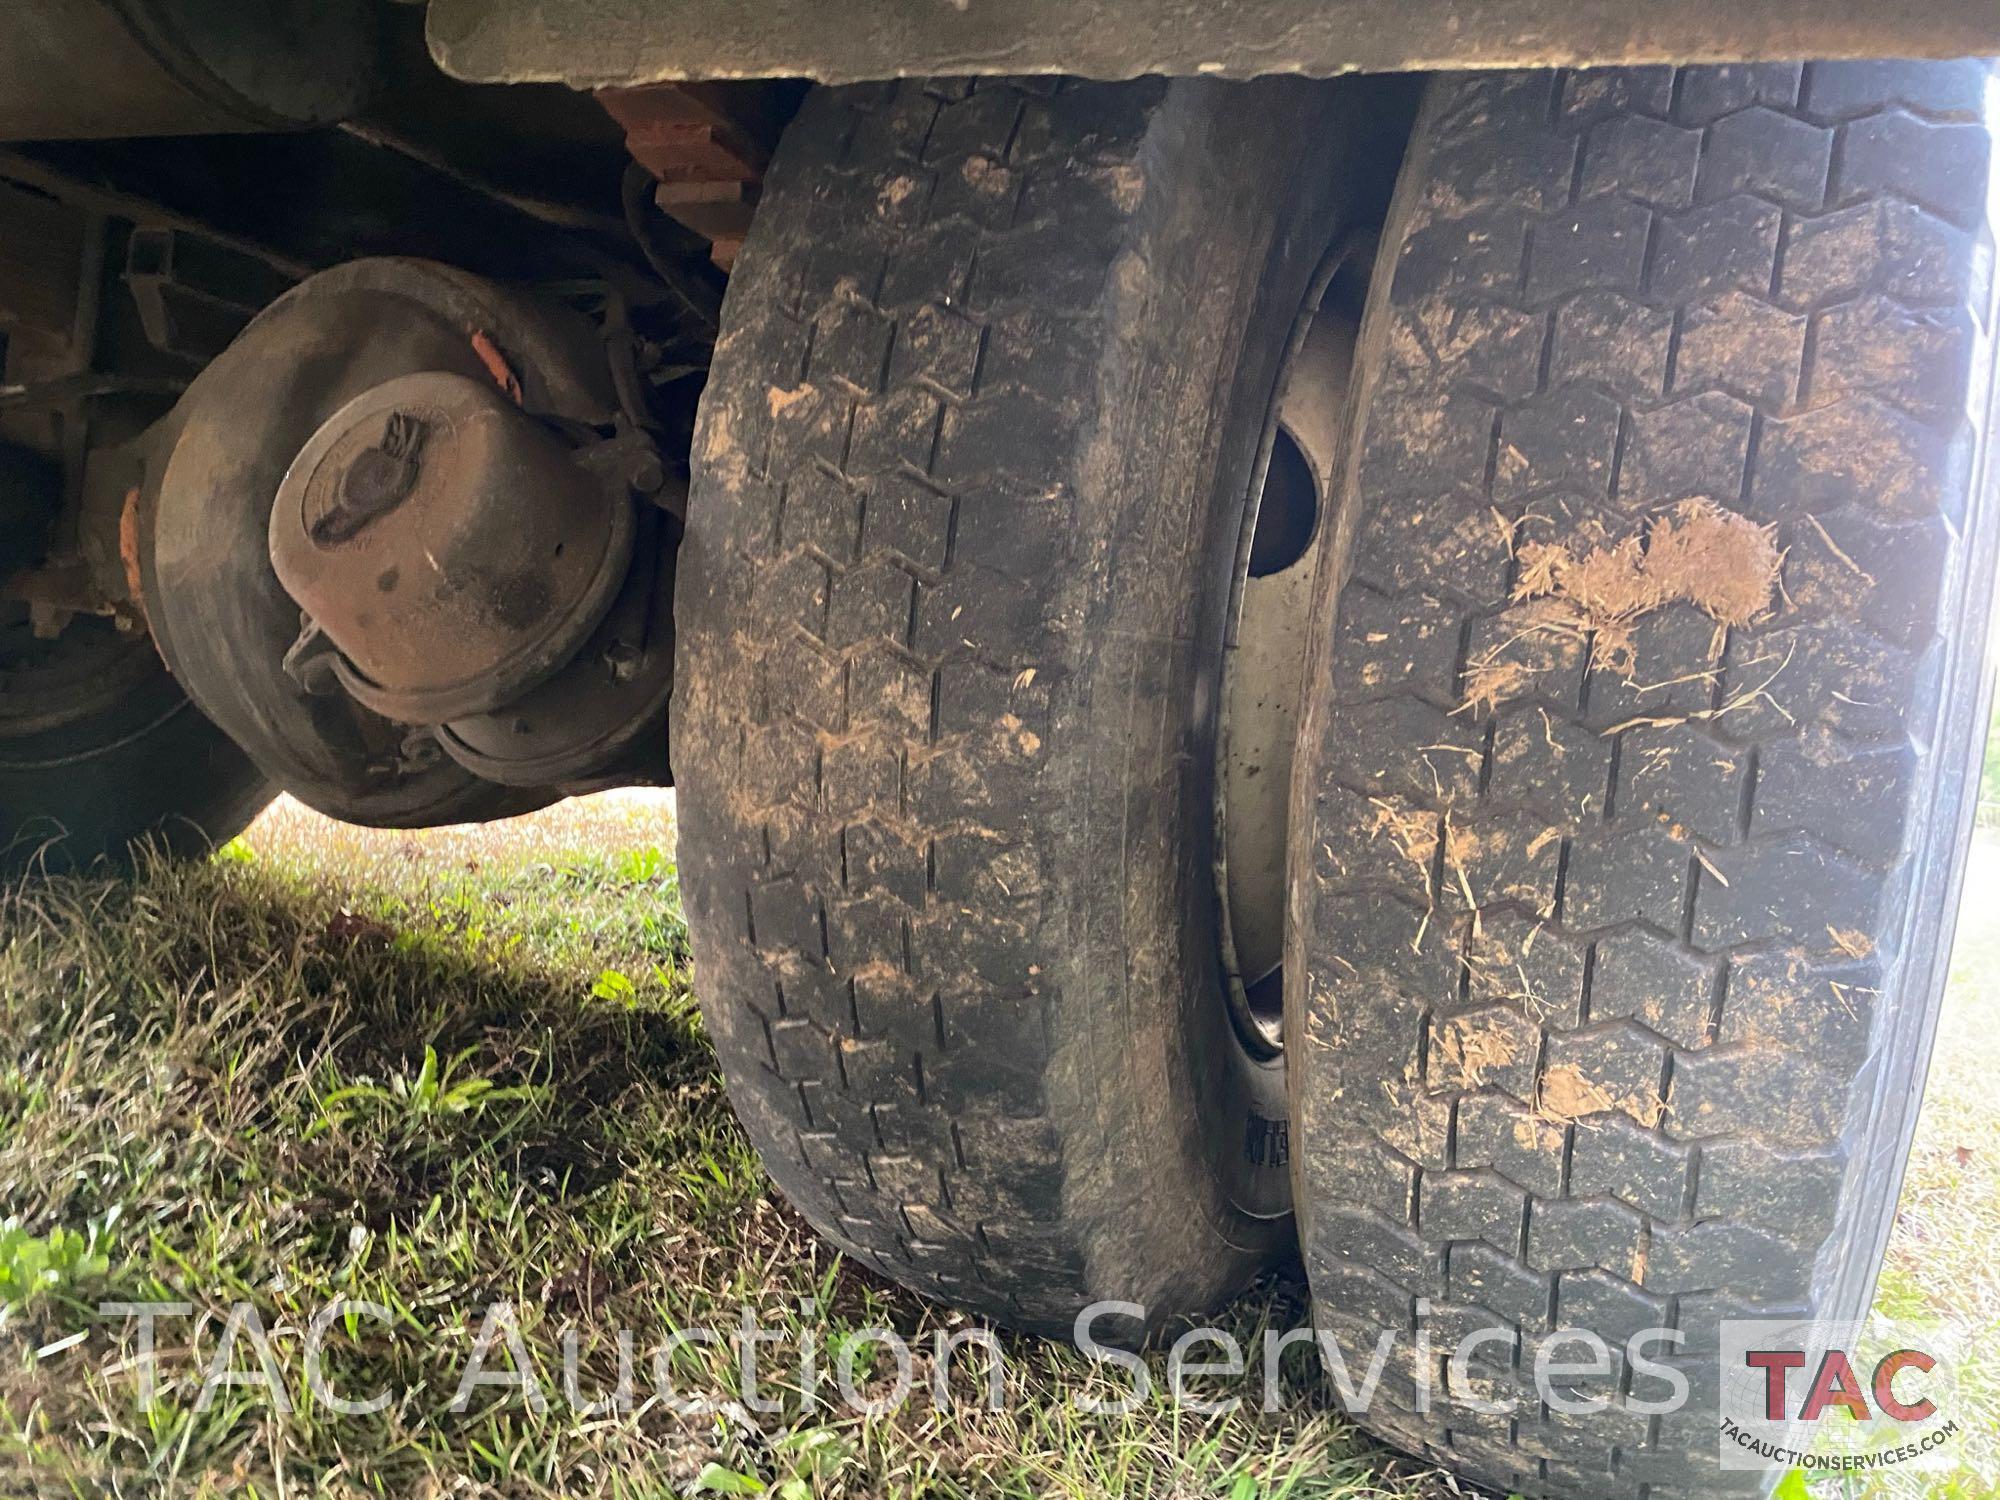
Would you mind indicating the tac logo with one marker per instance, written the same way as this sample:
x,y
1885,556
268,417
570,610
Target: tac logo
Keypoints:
x,y
1837,1398
1837,1386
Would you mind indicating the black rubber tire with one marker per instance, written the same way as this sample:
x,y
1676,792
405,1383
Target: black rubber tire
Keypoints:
x,y
971,473
1671,1073
144,768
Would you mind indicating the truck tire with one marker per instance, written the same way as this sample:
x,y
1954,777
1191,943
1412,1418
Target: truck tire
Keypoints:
x,y
1640,735
972,468
100,751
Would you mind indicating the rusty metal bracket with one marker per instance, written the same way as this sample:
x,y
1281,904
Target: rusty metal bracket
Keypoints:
x,y
707,151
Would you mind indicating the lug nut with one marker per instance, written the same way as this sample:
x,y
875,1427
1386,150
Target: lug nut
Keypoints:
x,y
623,659
647,474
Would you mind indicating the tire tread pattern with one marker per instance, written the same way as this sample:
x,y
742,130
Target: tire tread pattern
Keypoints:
x,y
872,610
1602,978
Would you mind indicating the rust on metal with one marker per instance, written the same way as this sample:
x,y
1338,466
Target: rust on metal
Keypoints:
x,y
684,134
496,364
128,551
707,159
445,542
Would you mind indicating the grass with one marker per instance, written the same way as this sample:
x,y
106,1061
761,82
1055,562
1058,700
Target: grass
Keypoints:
x,y
434,1071
1941,1271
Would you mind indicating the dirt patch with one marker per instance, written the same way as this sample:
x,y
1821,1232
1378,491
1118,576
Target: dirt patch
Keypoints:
x,y
1567,1094
1697,553
1531,1134
986,176
1127,182
895,193
782,401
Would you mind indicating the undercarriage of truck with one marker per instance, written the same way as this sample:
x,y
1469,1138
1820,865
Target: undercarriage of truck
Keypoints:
x,y
1330,629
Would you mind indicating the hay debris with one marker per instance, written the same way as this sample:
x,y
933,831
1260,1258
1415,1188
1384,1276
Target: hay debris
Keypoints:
x,y
1698,553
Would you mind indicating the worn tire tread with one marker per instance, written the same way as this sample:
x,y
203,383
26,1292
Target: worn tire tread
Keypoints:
x,y
1641,1086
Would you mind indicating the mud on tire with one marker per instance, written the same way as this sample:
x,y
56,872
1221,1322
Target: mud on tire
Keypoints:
x,y
971,471
1625,903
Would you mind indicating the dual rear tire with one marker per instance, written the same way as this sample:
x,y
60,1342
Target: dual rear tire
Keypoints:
x,y
975,465
1616,933
1622,918
101,751
1616,924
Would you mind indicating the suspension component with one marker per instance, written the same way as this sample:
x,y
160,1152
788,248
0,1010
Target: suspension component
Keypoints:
x,y
403,542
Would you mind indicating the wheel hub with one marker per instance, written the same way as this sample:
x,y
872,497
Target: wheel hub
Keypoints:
x,y
393,550
447,546
1263,663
